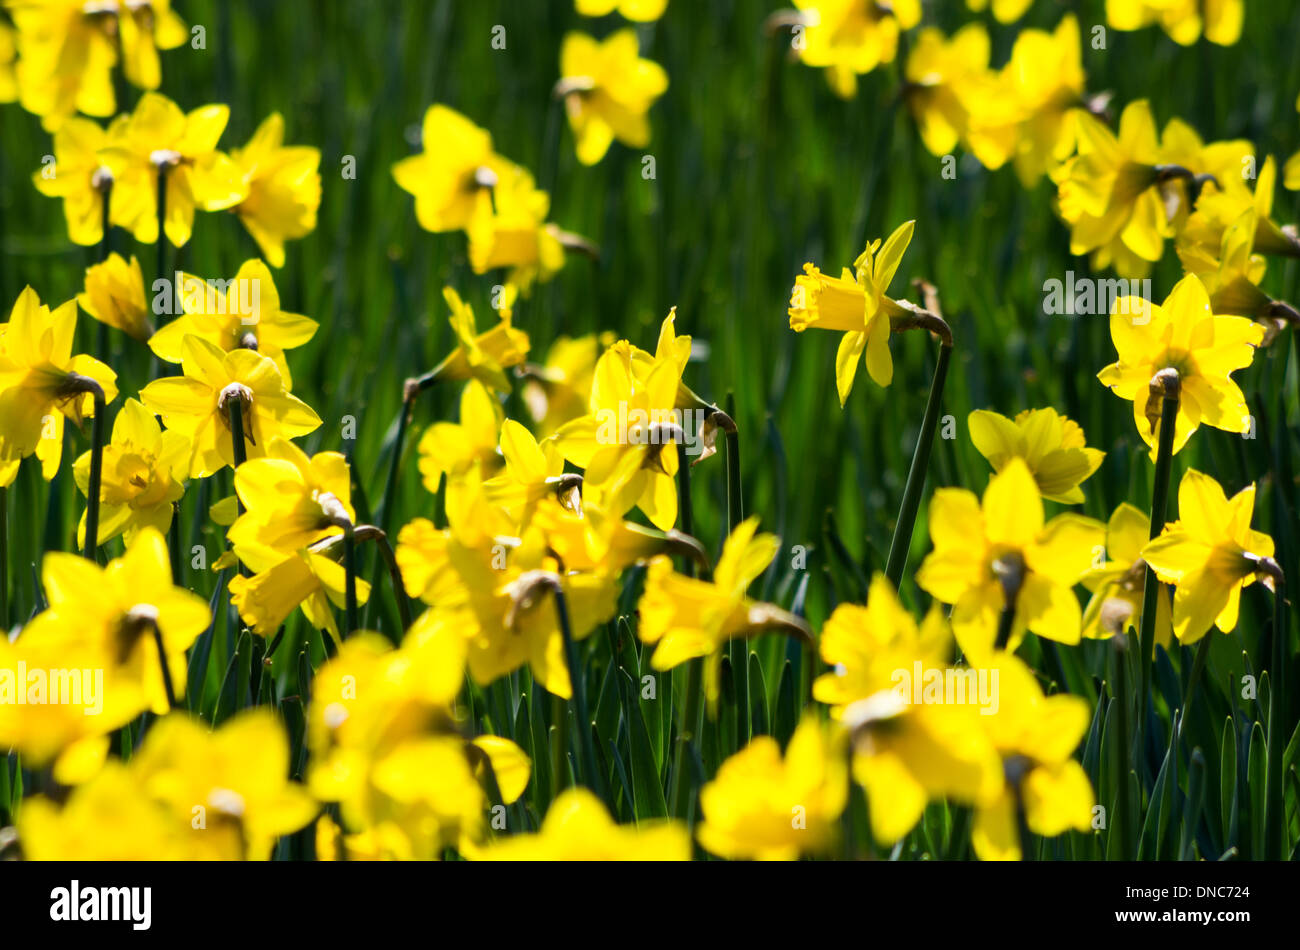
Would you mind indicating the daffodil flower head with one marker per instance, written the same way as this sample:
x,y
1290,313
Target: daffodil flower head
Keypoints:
x,y
240,313
768,806
144,472
310,578
1117,583
81,175
484,356
1185,336
160,139
985,550
1210,554
114,295
452,448
1183,20
282,185
856,305
638,11
849,38
42,383
291,500
1036,736
517,235
608,90
453,177
196,404
1051,445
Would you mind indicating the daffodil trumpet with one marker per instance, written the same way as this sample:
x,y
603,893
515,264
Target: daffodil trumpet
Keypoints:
x,y
75,384
918,318
1165,392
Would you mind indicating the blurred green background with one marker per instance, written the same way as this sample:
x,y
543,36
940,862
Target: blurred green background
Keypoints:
x,y
759,168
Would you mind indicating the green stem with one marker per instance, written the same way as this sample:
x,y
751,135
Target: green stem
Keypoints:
x,y
1159,507
96,471
578,690
350,581
1275,824
101,333
394,463
1123,764
679,804
162,664
902,540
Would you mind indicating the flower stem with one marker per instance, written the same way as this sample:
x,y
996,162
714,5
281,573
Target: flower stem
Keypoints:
x,y
101,332
902,540
1123,764
679,803
386,503
1275,823
84,384
162,664
350,581
1166,384
370,532
578,688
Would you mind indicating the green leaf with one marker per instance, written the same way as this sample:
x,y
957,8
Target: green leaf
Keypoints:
x,y
1228,783
647,792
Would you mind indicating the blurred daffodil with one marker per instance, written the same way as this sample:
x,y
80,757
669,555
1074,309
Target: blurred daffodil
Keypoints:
x,y
282,188
849,38
1036,736
579,828
766,806
160,139
81,175
608,90
452,448
638,11
1183,20
517,235
453,177
310,578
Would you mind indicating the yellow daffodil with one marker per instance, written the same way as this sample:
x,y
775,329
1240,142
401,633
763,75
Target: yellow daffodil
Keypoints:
x,y
856,305
516,235
107,819
229,788
1210,553
942,75
483,356
114,295
1183,20
1028,111
39,383
161,139
579,828
1004,11
112,611
905,753
80,174
144,471
58,703
769,807
189,793
452,179
1105,193
1183,334
982,549
1117,583
558,391
243,312
68,48
291,500
1036,736
310,578
452,448
849,38
384,746
281,185
533,471
626,442
196,404
1051,445
608,90
684,618
638,11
